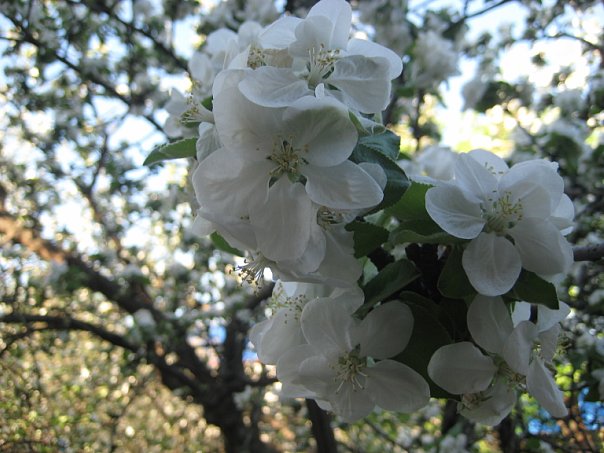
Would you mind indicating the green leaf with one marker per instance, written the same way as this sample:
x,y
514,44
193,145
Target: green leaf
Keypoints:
x,y
394,277
397,182
412,205
221,244
367,237
408,232
453,281
386,143
532,288
174,150
428,335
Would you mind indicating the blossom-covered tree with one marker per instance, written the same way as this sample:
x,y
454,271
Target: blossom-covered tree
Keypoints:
x,y
288,222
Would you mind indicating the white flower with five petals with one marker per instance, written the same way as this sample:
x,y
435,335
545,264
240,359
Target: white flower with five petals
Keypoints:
x,y
515,218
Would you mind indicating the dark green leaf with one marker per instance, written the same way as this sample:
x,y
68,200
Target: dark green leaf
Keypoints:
x,y
394,277
532,288
174,150
453,281
221,244
367,237
397,179
428,335
387,143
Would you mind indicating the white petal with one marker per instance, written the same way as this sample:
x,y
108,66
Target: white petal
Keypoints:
x,y
492,162
519,346
385,331
339,267
351,403
322,128
339,13
454,212
522,312
288,365
280,34
542,247
461,368
372,49
344,186
473,177
376,172
492,264
328,324
283,223
548,318
563,215
312,35
536,184
498,402
489,323
541,385
549,342
316,373
282,333
396,387
273,87
202,227
363,82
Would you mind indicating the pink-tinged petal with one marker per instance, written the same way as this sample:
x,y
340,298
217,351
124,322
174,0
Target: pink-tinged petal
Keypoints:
x,y
461,368
273,87
283,223
473,177
542,247
489,323
492,162
541,385
498,402
362,82
321,129
518,348
396,387
343,186
536,184
492,264
456,213
385,331
371,49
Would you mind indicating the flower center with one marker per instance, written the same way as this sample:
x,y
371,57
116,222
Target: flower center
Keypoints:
x,y
293,305
349,370
326,217
321,62
502,214
286,158
252,271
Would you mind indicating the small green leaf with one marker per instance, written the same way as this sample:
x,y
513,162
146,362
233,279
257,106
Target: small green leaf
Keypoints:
x,y
367,237
407,232
394,277
397,181
532,288
174,150
453,281
412,205
221,244
386,143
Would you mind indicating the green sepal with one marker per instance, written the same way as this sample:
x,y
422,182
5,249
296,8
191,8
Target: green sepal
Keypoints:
x,y
221,244
174,150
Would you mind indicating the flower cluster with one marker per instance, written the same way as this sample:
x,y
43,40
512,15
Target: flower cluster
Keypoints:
x,y
279,183
284,117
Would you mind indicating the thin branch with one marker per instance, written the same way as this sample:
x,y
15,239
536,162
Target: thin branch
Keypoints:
x,y
592,252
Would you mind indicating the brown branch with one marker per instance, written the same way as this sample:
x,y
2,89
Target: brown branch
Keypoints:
x,y
592,252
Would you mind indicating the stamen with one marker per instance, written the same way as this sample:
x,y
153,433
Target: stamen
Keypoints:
x,y
502,214
253,270
321,63
349,369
